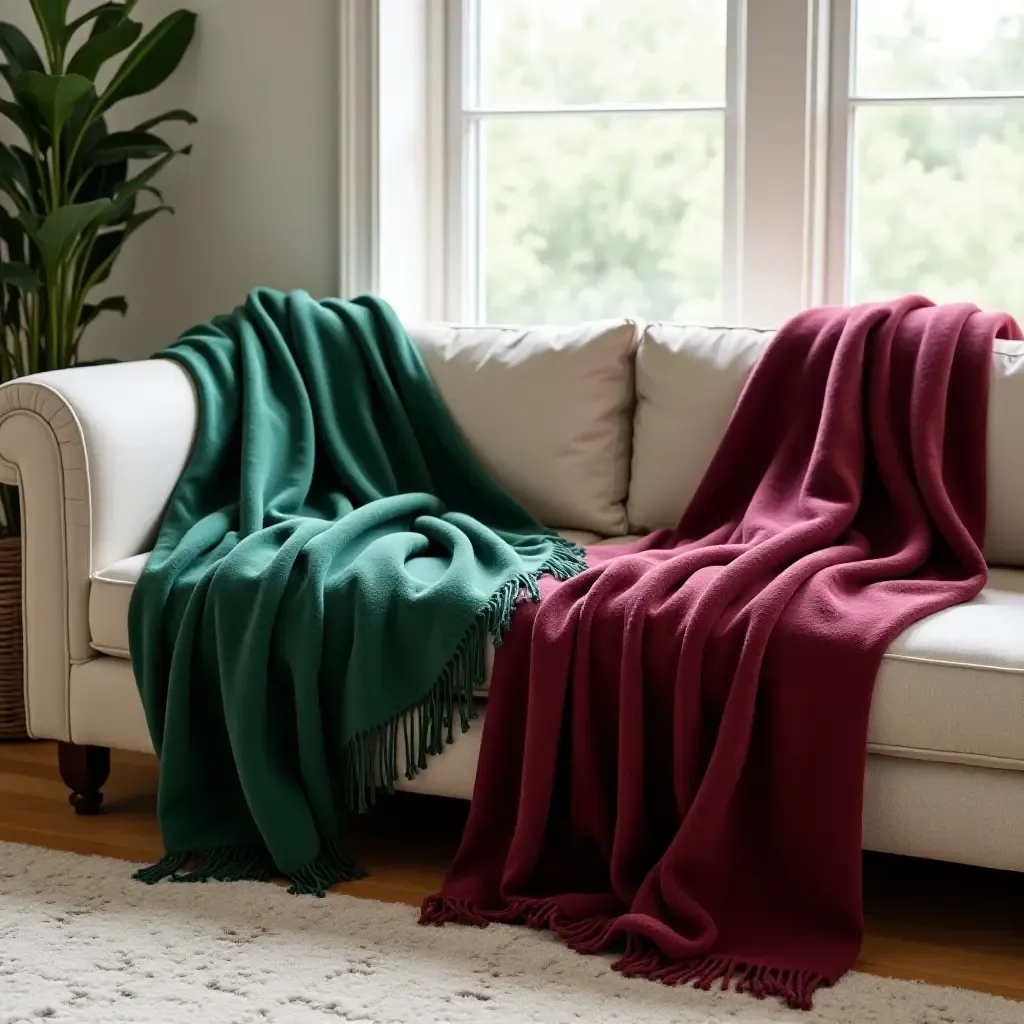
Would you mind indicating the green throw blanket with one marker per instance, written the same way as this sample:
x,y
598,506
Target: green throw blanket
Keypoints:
x,y
321,589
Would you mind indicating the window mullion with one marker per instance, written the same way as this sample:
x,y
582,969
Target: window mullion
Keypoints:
x,y
839,194
460,249
437,164
775,172
735,131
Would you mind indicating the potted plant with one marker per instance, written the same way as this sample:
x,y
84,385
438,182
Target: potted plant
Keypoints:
x,y
73,190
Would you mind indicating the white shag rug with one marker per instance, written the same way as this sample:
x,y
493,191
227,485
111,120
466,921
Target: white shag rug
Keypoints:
x,y
81,942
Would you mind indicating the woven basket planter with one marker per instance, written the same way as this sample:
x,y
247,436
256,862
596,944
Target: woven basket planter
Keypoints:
x,y
12,680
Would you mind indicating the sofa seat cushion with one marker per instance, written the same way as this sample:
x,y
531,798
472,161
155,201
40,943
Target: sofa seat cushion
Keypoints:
x,y
111,590
548,411
951,687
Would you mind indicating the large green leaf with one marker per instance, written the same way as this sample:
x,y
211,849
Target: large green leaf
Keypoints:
x,y
32,173
126,146
108,244
12,234
101,258
14,179
31,222
152,60
15,46
137,220
112,304
171,115
10,316
52,18
18,117
20,276
126,194
103,182
97,12
11,311
84,128
55,96
58,232
107,41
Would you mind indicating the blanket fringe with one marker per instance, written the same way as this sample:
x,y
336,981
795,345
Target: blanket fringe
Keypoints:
x,y
331,866
371,757
167,867
642,958
439,910
217,864
230,864
253,863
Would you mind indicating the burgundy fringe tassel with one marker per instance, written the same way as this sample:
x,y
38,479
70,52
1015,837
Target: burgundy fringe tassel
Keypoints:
x,y
642,959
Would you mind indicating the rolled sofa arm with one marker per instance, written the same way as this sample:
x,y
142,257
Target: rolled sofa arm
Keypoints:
x,y
96,452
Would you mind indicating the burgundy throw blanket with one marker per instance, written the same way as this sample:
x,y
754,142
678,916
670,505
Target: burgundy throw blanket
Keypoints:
x,y
673,758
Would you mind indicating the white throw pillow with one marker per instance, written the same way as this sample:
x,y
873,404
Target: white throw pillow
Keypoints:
x,y
687,382
547,410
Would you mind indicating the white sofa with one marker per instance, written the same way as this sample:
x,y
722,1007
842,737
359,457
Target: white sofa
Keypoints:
x,y
602,430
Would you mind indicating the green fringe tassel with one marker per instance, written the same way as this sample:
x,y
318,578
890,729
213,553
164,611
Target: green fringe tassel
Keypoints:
x,y
218,864
331,866
252,863
167,867
371,760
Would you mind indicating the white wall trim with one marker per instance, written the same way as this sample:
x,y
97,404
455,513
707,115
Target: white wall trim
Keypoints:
x,y
358,106
735,166
819,120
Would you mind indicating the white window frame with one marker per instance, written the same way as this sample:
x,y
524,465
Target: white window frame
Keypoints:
x,y
407,198
844,102
466,119
358,146
770,161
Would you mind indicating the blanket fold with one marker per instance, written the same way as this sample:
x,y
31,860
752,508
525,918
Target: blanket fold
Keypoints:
x,y
673,757
325,578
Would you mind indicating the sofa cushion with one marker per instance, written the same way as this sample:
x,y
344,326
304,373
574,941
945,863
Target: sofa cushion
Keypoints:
x,y
1004,538
109,594
951,687
111,589
688,380
548,411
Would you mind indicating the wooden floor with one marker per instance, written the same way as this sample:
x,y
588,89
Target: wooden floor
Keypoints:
x,y
940,923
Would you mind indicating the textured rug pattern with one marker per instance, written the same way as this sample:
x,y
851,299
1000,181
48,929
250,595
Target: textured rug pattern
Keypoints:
x,y
80,942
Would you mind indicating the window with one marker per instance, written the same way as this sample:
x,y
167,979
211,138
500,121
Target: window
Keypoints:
x,y
696,160
595,142
935,189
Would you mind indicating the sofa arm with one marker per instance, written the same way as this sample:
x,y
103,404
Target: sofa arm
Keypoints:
x,y
96,452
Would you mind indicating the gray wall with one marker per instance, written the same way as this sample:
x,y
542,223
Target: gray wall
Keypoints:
x,y
257,200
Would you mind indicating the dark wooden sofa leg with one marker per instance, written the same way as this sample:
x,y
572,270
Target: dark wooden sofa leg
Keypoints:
x,y
84,770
